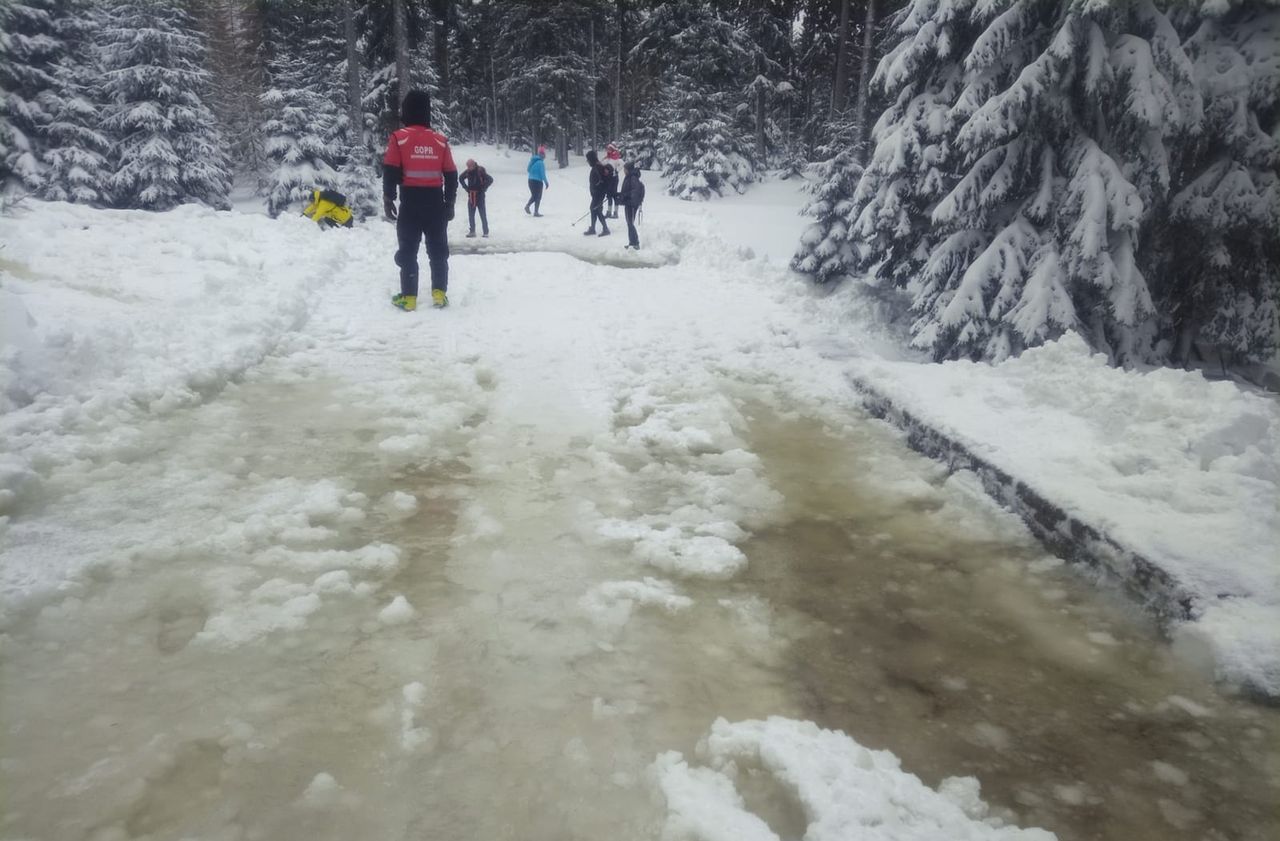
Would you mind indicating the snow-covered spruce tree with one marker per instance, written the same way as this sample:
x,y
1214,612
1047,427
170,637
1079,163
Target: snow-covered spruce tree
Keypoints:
x,y
358,173
825,252
704,64
1069,114
1216,263
302,132
299,155
77,149
167,147
877,223
704,153
641,146
30,49
1025,149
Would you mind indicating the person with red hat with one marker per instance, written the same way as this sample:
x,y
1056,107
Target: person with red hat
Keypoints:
x,y
612,163
475,181
537,180
419,162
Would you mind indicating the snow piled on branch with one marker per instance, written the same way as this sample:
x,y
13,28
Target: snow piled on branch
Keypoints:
x,y
1179,469
1104,168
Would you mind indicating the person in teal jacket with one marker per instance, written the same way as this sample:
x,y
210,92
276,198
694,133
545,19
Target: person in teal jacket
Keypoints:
x,y
537,180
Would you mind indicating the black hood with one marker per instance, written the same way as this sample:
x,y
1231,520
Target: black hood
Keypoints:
x,y
591,158
416,109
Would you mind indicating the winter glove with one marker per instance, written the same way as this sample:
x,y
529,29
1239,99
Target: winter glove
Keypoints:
x,y
448,213
389,208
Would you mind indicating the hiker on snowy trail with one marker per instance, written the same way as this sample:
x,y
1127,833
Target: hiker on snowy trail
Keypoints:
x,y
420,163
475,181
631,198
598,184
612,163
537,180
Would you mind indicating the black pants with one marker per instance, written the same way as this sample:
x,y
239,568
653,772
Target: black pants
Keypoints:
x,y
476,202
613,202
535,195
633,236
597,212
422,215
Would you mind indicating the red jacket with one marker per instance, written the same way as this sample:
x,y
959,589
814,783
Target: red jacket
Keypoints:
x,y
423,158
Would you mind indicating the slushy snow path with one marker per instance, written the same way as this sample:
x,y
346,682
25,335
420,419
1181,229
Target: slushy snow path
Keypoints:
x,y
597,552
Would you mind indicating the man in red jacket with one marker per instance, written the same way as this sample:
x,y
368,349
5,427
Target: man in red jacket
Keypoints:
x,y
420,163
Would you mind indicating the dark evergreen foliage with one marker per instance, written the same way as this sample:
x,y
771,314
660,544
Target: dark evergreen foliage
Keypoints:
x,y
76,148
30,49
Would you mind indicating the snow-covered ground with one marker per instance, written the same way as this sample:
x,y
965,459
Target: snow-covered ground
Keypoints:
x,y
267,537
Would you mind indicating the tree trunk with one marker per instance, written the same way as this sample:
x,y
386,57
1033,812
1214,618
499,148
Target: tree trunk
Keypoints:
x,y
864,82
761,151
838,95
400,26
760,106
761,11
440,10
595,129
791,99
493,77
355,113
617,71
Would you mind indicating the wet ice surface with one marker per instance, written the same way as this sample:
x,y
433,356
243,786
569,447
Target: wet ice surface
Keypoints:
x,y
367,593
646,259
967,651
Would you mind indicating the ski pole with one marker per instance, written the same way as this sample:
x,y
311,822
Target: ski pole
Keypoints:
x,y
580,218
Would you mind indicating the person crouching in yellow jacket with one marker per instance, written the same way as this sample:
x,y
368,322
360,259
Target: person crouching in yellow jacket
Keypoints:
x,y
329,209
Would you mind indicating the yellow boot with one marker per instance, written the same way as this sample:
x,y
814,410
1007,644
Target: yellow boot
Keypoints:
x,y
439,300
408,303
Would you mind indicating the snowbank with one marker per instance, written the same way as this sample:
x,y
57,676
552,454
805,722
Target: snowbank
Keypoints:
x,y
112,315
844,790
1176,469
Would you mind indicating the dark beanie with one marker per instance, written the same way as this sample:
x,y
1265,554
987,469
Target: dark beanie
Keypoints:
x,y
416,109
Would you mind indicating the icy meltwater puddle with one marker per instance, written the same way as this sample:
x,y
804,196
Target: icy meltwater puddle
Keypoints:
x,y
424,610
965,650
615,256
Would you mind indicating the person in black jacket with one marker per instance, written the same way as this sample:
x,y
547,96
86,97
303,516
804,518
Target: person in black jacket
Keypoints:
x,y
611,190
475,181
631,197
598,183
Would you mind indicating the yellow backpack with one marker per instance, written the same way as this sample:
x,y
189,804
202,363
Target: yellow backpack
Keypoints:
x,y
329,209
